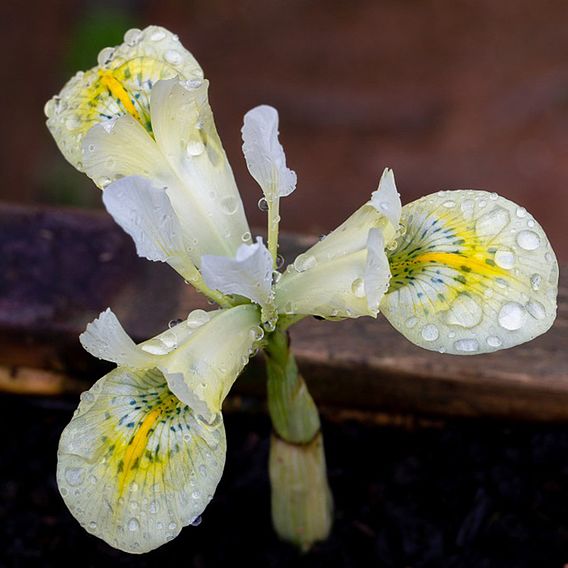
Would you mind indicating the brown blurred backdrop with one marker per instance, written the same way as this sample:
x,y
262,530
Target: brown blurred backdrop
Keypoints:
x,y
450,93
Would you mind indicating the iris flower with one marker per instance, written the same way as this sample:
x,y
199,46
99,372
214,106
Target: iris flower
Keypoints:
x,y
461,272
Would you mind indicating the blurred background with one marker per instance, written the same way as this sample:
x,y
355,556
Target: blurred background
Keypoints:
x,y
451,94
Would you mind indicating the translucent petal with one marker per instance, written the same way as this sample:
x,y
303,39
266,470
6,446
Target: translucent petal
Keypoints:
x,y
201,371
264,154
135,465
473,273
206,195
144,211
119,85
339,276
120,148
386,198
249,274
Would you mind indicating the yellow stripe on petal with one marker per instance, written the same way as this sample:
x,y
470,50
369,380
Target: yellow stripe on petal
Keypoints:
x,y
135,465
119,85
471,273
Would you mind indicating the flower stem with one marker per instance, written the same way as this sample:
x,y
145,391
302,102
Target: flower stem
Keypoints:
x,y
302,505
273,224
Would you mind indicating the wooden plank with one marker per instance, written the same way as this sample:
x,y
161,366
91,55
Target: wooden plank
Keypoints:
x,y
60,268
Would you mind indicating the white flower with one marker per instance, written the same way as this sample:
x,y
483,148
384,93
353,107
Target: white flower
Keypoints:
x,y
461,272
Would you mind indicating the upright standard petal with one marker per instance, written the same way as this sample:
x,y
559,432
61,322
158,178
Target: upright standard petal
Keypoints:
x,y
249,274
119,85
264,154
346,274
135,464
205,195
184,156
473,273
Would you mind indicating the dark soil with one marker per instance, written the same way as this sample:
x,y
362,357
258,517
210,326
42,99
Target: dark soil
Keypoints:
x,y
469,494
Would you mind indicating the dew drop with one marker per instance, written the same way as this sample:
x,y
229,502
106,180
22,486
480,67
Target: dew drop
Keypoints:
x,y
411,322
229,204
133,524
536,281
305,262
464,311
172,56
245,237
494,341
92,525
263,204
511,316
74,476
521,212
280,260
536,309
172,526
358,288
505,259
492,222
196,522
469,345
195,149
105,56
430,332
197,318
158,35
528,240
153,508
195,495
449,204
132,37
174,322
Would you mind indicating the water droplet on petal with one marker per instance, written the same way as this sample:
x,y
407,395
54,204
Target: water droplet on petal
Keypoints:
x,y
229,204
511,316
158,35
536,281
411,322
521,212
132,37
430,332
133,524
528,240
172,56
195,149
464,311
449,204
74,476
196,522
245,237
505,259
358,288
494,341
536,309
174,322
280,260
305,262
92,525
263,204
105,56
197,318
468,345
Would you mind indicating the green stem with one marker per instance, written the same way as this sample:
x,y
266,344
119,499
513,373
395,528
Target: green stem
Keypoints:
x,y
302,505
293,412
273,224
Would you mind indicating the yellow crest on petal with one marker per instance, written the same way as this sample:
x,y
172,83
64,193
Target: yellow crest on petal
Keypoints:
x,y
472,273
136,465
119,85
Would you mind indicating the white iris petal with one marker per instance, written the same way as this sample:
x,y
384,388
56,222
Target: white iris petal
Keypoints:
x,y
249,274
264,154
